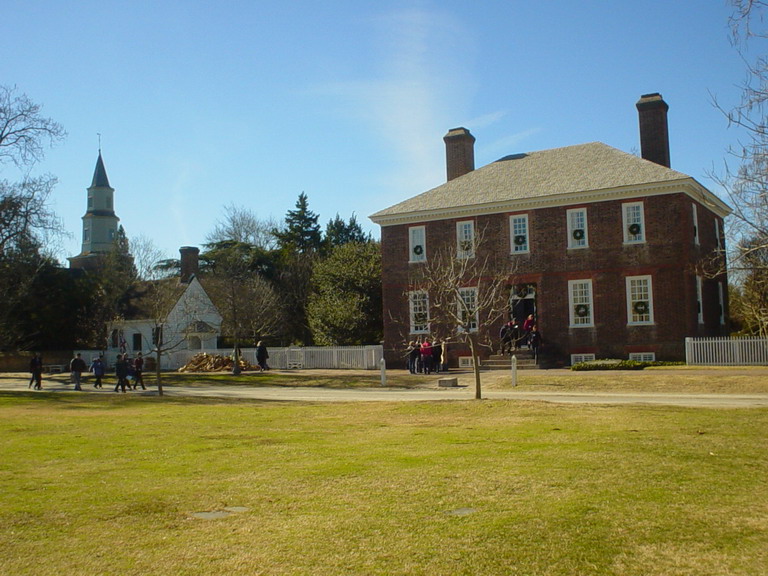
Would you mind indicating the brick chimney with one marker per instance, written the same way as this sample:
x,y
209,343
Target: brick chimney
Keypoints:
x,y
459,152
189,262
654,134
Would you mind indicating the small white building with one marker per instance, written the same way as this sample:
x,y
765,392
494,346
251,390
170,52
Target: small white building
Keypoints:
x,y
177,314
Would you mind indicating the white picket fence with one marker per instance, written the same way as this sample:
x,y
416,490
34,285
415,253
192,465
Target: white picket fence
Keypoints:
x,y
726,351
329,357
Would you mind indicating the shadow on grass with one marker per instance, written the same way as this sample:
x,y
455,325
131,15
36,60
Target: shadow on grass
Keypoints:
x,y
101,401
293,380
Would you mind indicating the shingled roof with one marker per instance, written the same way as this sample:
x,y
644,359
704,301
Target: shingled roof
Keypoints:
x,y
100,179
558,175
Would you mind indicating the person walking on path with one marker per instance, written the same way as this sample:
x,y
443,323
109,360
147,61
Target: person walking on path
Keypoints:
x,y
36,371
138,371
77,367
98,369
261,356
121,372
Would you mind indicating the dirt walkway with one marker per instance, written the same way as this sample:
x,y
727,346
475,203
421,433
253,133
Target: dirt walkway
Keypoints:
x,y
714,388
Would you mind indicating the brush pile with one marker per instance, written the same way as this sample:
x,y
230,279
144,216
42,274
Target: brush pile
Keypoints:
x,y
204,362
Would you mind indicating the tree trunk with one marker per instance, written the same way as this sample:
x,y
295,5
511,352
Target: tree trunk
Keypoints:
x,y
158,377
236,370
475,368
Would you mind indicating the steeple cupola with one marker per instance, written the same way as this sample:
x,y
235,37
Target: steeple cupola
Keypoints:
x,y
99,222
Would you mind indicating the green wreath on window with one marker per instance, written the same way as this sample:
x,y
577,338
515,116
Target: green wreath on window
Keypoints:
x,y
634,229
466,245
520,240
582,310
578,234
418,250
641,308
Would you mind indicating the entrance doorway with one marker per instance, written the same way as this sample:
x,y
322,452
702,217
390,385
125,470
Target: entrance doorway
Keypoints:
x,y
522,302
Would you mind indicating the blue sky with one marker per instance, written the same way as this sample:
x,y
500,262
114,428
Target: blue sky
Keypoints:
x,y
204,104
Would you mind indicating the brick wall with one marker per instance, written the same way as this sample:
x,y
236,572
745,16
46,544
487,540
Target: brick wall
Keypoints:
x,y
669,256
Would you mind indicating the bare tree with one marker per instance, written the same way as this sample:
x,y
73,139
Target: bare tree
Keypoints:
x,y
23,130
467,288
26,222
243,226
146,256
747,185
24,212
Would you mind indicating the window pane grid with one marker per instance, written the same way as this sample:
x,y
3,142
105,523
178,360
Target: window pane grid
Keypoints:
x,y
520,234
465,237
417,248
640,300
577,228
468,308
581,303
419,312
633,223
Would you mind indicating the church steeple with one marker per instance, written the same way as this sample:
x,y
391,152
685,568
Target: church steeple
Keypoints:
x,y
99,222
100,179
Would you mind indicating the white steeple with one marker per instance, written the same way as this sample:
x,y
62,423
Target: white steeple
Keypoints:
x,y
99,222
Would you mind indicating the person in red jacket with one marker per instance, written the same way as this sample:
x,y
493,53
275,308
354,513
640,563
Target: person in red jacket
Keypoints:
x,y
527,327
426,356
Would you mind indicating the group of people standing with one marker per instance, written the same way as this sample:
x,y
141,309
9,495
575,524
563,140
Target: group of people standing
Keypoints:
x,y
426,357
513,336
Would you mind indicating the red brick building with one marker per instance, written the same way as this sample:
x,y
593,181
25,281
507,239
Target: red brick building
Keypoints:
x,y
603,247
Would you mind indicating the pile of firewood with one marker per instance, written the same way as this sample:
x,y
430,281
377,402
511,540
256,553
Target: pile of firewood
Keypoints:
x,y
213,363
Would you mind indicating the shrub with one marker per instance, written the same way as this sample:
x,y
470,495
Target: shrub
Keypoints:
x,y
620,365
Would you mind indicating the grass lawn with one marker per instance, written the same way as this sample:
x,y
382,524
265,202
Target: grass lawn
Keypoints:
x,y
114,484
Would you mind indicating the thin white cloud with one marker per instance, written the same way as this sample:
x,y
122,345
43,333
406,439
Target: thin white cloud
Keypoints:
x,y
182,179
412,92
486,120
509,144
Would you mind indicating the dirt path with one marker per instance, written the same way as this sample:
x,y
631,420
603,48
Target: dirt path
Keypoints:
x,y
694,388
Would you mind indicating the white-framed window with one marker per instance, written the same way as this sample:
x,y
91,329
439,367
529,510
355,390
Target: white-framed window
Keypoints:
x,y
579,358
518,227
695,215
700,299
90,201
111,234
86,234
639,300
577,228
418,302
643,356
467,309
721,301
417,244
634,222
718,239
465,239
580,303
